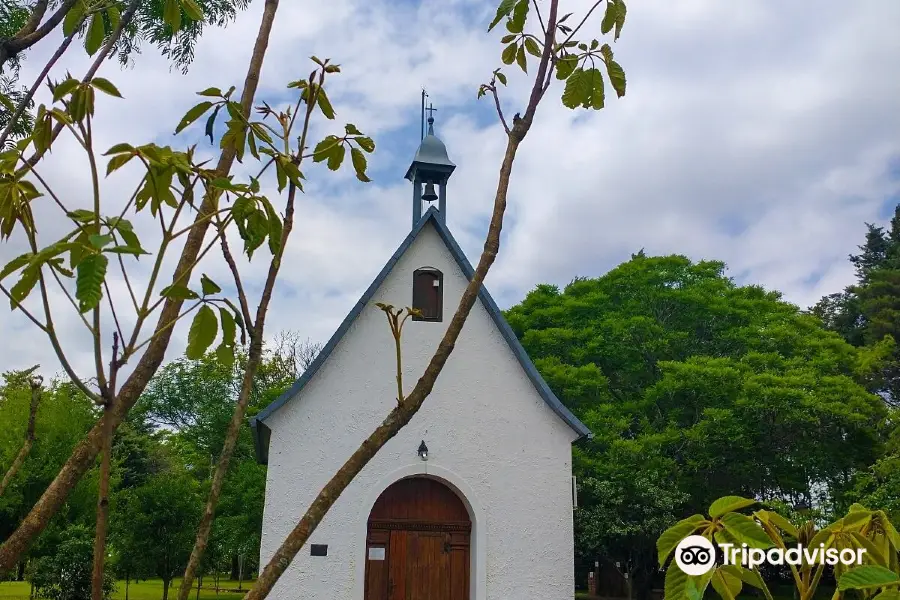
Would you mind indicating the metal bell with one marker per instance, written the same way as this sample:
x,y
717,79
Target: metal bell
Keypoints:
x,y
429,195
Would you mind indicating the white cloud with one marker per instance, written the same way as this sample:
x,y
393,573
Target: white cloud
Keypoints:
x,y
758,134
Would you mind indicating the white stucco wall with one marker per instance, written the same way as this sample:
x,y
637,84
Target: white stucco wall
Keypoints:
x,y
488,432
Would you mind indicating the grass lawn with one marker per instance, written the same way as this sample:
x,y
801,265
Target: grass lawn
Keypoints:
x,y
145,590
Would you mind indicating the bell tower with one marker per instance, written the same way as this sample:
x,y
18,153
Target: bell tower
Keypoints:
x,y
430,167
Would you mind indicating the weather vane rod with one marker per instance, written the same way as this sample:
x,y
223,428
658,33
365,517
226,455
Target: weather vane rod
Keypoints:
x,y
422,116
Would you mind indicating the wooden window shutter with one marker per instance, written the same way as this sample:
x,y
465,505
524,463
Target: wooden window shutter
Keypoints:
x,y
428,291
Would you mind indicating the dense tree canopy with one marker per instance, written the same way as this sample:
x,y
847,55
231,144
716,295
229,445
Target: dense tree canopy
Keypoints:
x,y
63,417
162,457
696,388
869,310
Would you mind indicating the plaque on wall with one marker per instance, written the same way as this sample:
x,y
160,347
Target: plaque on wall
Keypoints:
x,y
376,553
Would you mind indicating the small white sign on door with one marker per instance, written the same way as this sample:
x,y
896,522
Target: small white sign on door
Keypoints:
x,y
376,553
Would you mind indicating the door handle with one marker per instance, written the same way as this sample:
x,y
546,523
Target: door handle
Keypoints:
x,y
390,589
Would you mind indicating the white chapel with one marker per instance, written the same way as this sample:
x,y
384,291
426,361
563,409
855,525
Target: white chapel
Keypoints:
x,y
473,499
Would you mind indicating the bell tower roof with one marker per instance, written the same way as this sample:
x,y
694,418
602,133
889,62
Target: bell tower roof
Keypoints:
x,y
431,162
431,168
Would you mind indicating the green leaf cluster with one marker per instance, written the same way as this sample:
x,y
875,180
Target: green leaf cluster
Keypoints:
x,y
332,150
257,221
861,528
577,63
16,195
88,260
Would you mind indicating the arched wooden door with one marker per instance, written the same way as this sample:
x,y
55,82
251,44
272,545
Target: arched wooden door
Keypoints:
x,y
417,547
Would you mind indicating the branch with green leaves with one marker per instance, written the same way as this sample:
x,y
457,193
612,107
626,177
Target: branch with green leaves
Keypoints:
x,y
101,24
257,220
765,529
575,62
85,452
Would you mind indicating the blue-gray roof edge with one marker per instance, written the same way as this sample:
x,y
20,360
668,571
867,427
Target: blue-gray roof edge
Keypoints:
x,y
257,423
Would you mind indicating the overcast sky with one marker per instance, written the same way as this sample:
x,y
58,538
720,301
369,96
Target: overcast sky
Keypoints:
x,y
764,134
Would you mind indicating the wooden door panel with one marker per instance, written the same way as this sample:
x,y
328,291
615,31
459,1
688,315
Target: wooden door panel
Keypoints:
x,y
376,582
459,573
424,529
397,567
428,567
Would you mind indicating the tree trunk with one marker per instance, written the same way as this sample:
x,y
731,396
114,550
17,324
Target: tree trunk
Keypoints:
x,y
234,429
20,576
36,391
16,465
84,454
234,568
403,413
127,583
166,588
102,508
253,361
199,583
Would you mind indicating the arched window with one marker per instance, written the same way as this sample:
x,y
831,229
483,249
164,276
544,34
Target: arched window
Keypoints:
x,y
428,293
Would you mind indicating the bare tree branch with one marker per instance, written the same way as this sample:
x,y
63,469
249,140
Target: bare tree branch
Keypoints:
x,y
299,354
493,89
537,11
583,21
229,259
16,304
34,19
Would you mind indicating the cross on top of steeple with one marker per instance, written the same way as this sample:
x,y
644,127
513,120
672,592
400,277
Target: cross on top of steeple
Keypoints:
x,y
430,110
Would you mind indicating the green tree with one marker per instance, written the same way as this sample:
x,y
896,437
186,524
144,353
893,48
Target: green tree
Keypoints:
x,y
703,387
66,574
154,523
626,497
879,485
868,311
65,415
193,401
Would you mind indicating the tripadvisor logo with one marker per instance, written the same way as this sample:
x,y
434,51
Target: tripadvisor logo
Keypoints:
x,y
696,555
